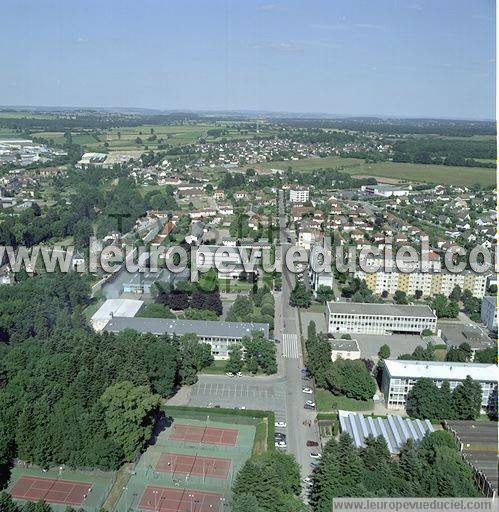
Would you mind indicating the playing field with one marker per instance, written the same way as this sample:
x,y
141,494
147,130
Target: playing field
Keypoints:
x,y
50,490
166,499
190,464
60,487
215,467
204,435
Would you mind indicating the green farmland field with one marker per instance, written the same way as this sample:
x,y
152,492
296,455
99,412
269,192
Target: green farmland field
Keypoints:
x,y
444,174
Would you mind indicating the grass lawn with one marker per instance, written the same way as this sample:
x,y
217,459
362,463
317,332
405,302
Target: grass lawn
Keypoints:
x,y
216,368
325,400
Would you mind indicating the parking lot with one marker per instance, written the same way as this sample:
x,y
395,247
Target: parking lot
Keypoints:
x,y
240,392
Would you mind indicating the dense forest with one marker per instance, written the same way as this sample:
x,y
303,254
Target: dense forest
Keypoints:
x,y
434,468
65,390
443,151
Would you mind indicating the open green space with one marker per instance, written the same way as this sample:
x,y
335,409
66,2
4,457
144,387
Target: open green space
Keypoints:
x,y
327,402
438,174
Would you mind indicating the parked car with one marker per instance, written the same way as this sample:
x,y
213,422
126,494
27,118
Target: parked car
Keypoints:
x,y
229,374
308,391
310,403
280,424
311,407
239,374
315,464
312,443
280,444
315,455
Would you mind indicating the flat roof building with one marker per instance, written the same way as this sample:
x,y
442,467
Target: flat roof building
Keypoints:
x,y
127,308
346,349
477,442
368,318
220,335
399,377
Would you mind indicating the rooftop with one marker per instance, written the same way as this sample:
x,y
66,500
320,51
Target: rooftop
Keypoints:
x,y
117,307
180,327
441,370
395,430
347,345
367,308
479,440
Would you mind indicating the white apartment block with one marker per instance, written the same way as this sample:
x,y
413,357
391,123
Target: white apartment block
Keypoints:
x,y
489,312
399,378
427,283
368,318
298,195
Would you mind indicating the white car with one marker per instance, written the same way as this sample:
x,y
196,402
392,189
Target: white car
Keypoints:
x,y
281,424
315,455
280,444
307,480
239,374
308,391
310,403
229,374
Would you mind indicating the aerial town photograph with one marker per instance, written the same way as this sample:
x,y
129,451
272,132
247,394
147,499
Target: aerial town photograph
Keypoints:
x,y
248,256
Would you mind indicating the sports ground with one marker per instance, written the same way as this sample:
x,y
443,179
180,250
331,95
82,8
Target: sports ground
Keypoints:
x,y
61,487
190,465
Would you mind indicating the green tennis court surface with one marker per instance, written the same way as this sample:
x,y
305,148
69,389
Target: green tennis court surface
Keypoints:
x,y
191,460
61,487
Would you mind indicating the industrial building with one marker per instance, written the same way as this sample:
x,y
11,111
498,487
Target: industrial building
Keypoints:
x,y
220,335
399,377
394,429
114,307
368,318
385,190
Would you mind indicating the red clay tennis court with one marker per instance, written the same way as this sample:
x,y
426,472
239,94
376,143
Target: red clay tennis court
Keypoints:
x,y
50,490
204,435
167,499
214,467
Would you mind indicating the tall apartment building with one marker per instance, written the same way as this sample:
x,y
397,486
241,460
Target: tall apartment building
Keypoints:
x,y
399,378
299,195
367,318
427,283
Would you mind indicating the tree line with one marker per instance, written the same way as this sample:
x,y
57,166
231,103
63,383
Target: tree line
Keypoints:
x,y
434,468
71,396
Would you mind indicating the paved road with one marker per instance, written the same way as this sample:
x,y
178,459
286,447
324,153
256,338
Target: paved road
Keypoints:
x,y
287,326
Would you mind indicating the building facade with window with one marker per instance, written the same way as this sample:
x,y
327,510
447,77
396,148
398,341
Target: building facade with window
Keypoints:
x,y
399,377
219,335
367,318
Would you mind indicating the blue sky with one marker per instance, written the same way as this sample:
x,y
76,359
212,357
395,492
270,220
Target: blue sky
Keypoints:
x,y
350,57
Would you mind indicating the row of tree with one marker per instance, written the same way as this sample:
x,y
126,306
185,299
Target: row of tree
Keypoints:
x,y
433,469
427,401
